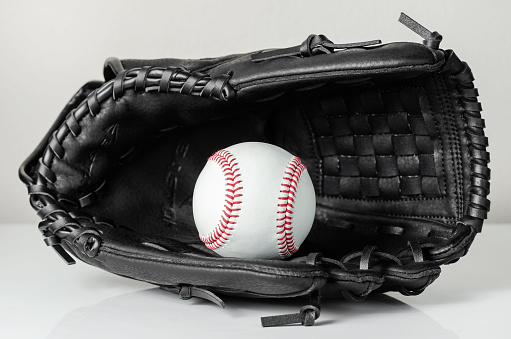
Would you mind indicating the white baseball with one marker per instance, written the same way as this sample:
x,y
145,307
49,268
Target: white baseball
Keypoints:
x,y
254,200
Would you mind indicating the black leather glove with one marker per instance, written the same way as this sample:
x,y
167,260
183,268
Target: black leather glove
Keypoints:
x,y
391,135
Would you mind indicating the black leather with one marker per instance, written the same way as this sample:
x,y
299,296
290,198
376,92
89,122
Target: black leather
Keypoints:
x,y
391,134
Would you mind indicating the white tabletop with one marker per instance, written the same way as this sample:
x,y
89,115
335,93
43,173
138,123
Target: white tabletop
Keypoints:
x,y
41,297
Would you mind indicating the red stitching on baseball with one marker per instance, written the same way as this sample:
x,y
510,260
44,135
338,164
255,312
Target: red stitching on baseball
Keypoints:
x,y
293,172
217,237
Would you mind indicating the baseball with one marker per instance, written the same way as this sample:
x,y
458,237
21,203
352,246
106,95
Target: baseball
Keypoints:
x,y
254,200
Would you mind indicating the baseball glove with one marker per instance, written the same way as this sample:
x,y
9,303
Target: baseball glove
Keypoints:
x,y
391,135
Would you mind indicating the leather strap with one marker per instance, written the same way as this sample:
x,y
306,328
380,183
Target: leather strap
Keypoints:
x,y
416,249
431,39
307,315
313,45
186,292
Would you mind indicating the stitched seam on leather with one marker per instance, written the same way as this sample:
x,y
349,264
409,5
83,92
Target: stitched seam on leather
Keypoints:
x,y
293,273
439,217
386,200
426,68
455,137
292,175
455,111
223,231
421,216
454,144
441,149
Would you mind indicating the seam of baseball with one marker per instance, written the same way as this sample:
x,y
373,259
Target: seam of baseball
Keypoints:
x,y
292,175
222,232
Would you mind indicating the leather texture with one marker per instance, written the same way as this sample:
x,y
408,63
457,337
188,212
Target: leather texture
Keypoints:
x,y
391,135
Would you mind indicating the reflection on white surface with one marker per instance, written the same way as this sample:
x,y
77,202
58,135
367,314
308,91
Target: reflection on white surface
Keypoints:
x,y
42,297
156,313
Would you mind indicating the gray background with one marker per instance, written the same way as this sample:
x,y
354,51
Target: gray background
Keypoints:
x,y
51,48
